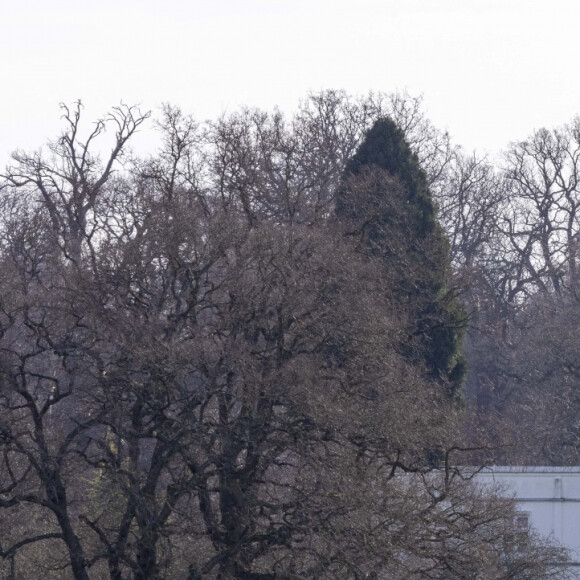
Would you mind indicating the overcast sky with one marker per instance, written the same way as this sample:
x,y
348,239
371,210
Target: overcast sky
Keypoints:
x,y
490,71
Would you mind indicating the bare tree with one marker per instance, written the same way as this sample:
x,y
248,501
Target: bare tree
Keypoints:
x,y
542,223
68,184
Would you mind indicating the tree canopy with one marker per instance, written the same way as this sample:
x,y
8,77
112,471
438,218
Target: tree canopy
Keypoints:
x,y
204,373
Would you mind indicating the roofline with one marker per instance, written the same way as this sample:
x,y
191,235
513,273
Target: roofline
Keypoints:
x,y
529,469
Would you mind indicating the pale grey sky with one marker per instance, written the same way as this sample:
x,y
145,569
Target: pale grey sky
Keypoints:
x,y
490,71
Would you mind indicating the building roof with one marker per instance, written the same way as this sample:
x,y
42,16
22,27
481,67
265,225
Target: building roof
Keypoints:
x,y
529,469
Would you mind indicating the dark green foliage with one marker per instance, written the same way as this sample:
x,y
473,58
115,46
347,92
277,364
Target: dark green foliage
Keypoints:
x,y
385,147
386,194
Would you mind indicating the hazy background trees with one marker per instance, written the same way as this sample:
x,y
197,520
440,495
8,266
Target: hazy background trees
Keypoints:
x,y
523,295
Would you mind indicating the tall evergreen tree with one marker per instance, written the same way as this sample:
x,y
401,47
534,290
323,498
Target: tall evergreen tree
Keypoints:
x,y
386,195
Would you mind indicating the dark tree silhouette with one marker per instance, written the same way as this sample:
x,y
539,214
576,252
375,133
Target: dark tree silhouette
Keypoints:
x,y
386,194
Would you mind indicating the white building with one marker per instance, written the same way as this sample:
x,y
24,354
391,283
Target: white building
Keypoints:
x,y
548,498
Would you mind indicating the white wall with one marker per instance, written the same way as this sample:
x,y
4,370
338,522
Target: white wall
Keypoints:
x,y
551,497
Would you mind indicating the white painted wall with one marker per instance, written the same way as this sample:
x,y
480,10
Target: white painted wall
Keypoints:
x,y
551,497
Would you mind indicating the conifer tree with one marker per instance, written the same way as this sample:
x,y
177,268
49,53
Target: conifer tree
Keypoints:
x,y
386,195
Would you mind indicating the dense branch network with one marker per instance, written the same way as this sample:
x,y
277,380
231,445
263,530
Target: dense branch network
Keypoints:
x,y
205,374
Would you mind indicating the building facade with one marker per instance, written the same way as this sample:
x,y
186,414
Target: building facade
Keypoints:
x,y
548,499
